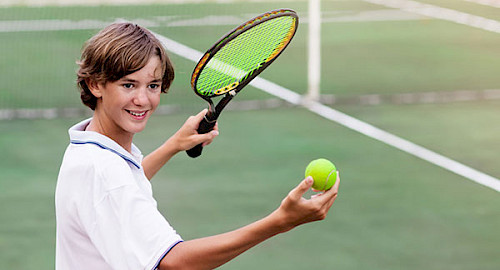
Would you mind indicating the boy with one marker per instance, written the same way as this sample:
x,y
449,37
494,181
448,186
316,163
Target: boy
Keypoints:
x,y
106,215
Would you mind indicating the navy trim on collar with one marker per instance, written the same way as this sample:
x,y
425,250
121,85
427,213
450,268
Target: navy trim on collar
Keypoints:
x,y
107,148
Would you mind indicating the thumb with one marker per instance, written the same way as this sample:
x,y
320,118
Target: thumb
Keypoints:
x,y
201,114
302,188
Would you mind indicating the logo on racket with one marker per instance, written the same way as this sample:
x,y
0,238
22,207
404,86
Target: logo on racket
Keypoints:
x,y
226,88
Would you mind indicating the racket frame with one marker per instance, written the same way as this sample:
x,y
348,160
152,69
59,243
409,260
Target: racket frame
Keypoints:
x,y
214,111
209,120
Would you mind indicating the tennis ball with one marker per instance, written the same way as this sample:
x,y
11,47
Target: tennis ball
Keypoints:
x,y
323,172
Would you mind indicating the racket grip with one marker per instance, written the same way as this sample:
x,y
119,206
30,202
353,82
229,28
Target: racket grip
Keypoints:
x,y
204,127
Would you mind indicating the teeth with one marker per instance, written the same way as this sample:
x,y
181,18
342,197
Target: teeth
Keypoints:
x,y
137,114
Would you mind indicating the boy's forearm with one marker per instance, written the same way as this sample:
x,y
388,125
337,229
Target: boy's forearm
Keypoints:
x,y
214,251
294,210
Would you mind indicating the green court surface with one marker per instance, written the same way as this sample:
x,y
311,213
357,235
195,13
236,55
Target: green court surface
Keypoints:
x,y
394,211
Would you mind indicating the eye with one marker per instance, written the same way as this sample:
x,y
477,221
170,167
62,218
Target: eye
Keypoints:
x,y
128,85
154,86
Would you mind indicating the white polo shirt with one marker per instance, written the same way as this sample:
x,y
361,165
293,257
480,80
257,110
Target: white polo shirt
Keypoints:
x,y
106,215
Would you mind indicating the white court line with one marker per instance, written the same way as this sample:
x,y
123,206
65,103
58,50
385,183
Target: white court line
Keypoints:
x,y
41,3
441,13
207,20
351,122
491,3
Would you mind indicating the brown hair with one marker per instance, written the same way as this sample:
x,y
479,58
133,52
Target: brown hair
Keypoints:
x,y
118,50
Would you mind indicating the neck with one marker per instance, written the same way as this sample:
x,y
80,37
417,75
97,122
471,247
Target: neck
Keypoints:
x,y
120,136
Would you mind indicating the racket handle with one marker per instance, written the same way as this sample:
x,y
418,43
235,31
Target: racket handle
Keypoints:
x,y
204,127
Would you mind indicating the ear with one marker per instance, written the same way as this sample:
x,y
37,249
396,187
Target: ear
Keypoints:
x,y
94,87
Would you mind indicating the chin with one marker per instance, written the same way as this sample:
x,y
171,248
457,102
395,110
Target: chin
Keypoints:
x,y
134,127
137,128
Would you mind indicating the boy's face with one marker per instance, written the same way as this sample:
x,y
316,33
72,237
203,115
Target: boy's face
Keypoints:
x,y
125,105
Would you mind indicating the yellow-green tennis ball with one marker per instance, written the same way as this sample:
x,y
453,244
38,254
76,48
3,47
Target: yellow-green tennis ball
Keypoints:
x,y
323,172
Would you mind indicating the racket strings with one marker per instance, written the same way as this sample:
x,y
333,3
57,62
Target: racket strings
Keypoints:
x,y
246,53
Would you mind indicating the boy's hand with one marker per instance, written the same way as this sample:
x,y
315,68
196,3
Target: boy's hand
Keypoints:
x,y
296,210
187,136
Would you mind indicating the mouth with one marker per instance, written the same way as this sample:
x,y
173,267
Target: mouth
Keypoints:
x,y
137,114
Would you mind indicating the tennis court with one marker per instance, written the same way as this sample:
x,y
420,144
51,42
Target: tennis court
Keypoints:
x,y
431,81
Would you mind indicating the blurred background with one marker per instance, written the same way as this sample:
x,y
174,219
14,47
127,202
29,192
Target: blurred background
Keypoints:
x,y
426,71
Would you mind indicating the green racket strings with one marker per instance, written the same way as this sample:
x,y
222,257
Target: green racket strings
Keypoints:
x,y
242,56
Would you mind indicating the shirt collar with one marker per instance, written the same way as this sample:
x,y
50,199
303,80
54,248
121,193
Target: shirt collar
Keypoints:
x,y
78,135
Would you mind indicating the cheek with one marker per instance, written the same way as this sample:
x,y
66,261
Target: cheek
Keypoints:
x,y
155,99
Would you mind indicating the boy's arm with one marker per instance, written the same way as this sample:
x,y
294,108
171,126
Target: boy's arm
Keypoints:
x,y
214,251
185,138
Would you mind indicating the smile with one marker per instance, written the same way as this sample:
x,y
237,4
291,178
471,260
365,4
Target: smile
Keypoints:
x,y
138,114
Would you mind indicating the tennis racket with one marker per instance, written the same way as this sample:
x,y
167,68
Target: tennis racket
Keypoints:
x,y
238,57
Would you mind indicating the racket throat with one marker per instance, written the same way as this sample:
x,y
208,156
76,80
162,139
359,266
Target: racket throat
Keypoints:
x,y
212,114
210,118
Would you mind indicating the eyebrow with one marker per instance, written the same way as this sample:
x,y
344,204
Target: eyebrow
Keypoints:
x,y
125,79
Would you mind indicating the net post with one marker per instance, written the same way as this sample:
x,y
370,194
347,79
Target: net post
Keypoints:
x,y
314,51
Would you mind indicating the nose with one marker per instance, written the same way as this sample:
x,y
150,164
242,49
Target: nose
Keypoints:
x,y
141,97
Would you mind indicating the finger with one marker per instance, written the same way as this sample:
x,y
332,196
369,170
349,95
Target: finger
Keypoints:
x,y
330,202
316,195
335,186
209,137
337,182
216,127
302,188
335,190
331,194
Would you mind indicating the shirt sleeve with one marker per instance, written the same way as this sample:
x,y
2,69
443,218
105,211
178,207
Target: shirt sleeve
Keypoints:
x,y
129,231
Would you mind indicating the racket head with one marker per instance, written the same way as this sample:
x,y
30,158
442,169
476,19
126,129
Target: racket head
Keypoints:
x,y
243,53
